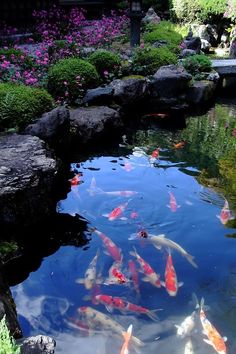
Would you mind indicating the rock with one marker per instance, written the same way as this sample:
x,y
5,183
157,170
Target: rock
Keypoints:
x,y
7,307
53,127
129,90
38,345
93,123
98,96
193,43
232,48
151,17
201,92
187,53
27,176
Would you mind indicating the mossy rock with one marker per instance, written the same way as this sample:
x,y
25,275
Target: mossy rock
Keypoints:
x,y
137,77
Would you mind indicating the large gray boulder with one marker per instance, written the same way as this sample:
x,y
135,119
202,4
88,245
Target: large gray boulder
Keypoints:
x,y
27,176
98,96
201,92
94,123
129,91
38,345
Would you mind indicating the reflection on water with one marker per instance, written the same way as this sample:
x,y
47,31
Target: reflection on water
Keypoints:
x,y
151,185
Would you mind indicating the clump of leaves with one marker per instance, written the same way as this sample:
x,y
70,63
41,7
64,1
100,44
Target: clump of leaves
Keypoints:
x,y
7,342
197,64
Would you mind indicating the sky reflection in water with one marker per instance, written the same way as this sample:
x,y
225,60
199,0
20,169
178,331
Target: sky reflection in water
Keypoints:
x,y
47,301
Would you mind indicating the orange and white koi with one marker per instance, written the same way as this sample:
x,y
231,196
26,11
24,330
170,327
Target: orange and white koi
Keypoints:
x,y
150,275
124,306
214,338
98,320
134,275
179,145
117,212
112,249
115,275
173,204
225,214
171,283
76,180
127,337
90,279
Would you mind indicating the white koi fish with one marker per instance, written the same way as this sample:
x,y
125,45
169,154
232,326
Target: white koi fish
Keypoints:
x,y
93,190
188,349
159,241
186,327
90,278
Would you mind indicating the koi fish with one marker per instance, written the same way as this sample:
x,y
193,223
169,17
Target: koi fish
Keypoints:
x,y
214,338
159,241
97,319
225,214
134,275
115,275
158,115
112,249
188,349
142,233
93,190
124,306
117,212
179,145
173,204
128,166
89,279
127,336
186,327
75,181
150,275
171,283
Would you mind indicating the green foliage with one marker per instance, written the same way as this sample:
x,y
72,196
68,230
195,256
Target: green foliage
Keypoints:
x,y
103,60
68,77
186,10
14,56
7,343
148,60
7,247
164,31
197,64
20,105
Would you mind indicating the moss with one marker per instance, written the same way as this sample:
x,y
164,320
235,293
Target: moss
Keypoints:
x,y
71,75
20,105
133,77
164,31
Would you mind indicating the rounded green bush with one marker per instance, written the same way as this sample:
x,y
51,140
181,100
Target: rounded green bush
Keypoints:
x,y
20,105
164,31
70,76
196,64
147,61
103,60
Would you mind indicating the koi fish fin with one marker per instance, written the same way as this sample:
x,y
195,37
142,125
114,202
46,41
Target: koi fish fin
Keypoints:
x,y
79,280
190,259
105,215
163,283
123,218
178,206
151,314
87,298
225,339
218,216
202,303
168,206
109,308
132,253
208,341
133,236
158,247
181,283
146,279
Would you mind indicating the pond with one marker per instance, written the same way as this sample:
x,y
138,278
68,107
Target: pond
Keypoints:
x,y
178,183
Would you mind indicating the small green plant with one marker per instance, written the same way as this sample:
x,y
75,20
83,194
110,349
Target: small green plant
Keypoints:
x,y
20,105
7,342
105,62
16,56
196,64
68,78
163,31
148,60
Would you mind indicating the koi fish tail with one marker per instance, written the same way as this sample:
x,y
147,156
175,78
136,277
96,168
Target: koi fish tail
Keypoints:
x,y
190,259
151,314
137,342
195,300
127,335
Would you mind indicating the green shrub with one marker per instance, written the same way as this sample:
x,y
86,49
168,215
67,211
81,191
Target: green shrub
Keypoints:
x,y
69,76
197,64
164,31
103,60
7,343
147,61
20,105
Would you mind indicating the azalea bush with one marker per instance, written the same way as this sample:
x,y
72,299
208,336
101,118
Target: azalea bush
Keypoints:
x,y
105,62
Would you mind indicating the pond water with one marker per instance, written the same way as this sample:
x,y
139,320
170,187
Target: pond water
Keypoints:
x,y
156,181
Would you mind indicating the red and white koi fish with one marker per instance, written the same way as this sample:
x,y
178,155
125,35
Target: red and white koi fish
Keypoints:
x,y
155,153
124,306
98,320
117,212
173,204
90,279
127,337
214,338
225,214
150,275
142,233
93,190
112,249
115,275
171,283
134,275
76,180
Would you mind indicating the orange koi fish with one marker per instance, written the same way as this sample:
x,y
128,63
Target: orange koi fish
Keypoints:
x,y
134,275
124,306
115,275
112,249
173,204
179,145
225,214
127,337
75,181
150,275
171,284
117,212
214,338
